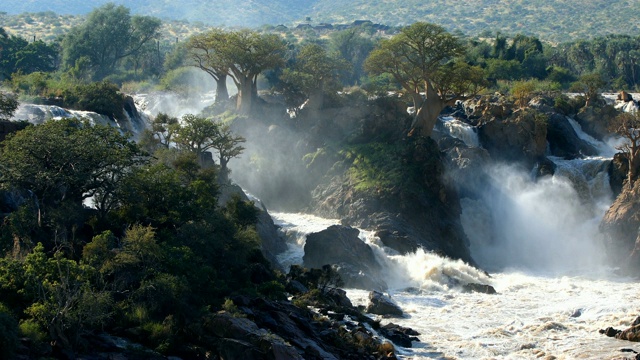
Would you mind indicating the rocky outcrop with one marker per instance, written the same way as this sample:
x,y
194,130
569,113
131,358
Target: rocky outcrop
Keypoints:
x,y
354,260
265,329
522,137
595,120
380,304
563,139
620,226
400,336
631,334
479,288
272,242
422,211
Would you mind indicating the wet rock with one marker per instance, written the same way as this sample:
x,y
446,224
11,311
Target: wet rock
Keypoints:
x,y
399,335
380,304
564,141
272,243
620,228
479,288
354,260
522,137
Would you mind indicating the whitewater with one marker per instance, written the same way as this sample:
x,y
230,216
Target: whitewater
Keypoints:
x,y
539,241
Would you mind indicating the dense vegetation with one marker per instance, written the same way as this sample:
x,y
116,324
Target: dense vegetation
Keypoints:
x,y
558,20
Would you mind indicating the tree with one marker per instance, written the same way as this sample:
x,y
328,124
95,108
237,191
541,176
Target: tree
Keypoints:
x,y
204,51
108,35
627,125
353,47
67,161
228,146
197,134
589,85
8,105
420,59
314,73
248,54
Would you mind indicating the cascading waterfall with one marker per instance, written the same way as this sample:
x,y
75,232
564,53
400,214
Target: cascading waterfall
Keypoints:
x,y
540,235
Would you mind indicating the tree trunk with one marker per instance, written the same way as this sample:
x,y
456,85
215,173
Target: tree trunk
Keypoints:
x,y
222,94
245,96
427,112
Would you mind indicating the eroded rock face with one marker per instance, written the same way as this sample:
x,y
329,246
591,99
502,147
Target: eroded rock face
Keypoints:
x,y
353,259
520,138
563,140
620,226
424,212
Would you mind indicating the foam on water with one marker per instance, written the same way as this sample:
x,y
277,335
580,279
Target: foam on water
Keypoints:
x,y
531,317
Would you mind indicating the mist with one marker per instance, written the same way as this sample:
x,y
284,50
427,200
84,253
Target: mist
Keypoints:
x,y
548,225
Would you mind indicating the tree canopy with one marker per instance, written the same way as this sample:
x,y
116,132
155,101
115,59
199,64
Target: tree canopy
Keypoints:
x,y
109,35
421,59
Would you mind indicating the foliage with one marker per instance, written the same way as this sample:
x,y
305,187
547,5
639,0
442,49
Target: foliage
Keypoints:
x,y
65,162
101,97
313,74
108,36
589,85
129,262
17,55
420,60
8,105
8,333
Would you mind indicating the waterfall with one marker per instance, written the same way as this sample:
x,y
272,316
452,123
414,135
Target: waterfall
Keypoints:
x,y
460,130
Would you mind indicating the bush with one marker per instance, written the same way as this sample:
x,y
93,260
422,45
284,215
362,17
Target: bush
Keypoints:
x,y
102,97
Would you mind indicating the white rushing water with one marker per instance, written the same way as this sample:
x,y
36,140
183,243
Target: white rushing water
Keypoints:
x,y
533,316
540,240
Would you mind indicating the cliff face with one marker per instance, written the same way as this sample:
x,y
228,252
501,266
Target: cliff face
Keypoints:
x,y
620,226
374,177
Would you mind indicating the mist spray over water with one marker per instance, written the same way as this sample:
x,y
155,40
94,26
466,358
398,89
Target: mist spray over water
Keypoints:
x,y
548,225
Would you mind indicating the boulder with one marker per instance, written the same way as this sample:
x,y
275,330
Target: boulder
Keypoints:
x,y
399,335
380,304
479,288
354,260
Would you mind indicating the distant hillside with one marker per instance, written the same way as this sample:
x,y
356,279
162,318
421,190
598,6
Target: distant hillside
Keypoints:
x,y
552,20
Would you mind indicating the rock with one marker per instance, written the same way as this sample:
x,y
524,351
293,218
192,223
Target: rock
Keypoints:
x,y
479,288
620,228
595,121
564,141
272,243
399,335
380,304
355,260
521,138
624,96
544,167
424,213
618,171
